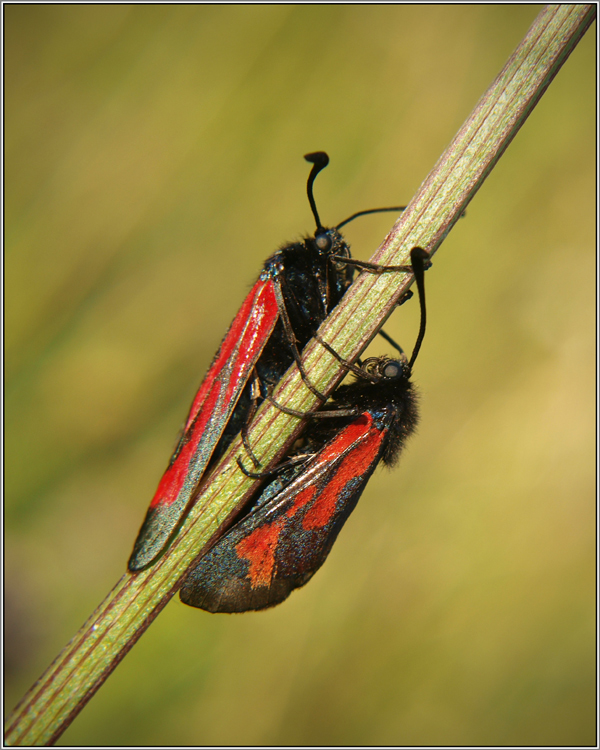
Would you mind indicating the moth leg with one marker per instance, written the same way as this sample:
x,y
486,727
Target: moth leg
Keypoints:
x,y
365,265
408,294
289,332
251,474
370,267
301,458
313,414
254,396
344,362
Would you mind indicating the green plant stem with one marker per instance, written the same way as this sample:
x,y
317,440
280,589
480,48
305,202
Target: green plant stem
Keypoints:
x,y
83,665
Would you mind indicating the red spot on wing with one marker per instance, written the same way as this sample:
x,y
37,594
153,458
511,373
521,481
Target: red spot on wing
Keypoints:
x,y
302,498
259,549
358,460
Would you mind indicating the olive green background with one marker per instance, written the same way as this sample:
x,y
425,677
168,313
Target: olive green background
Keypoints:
x,y
153,161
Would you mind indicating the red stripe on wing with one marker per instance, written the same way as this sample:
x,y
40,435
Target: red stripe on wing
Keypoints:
x,y
253,324
211,410
220,390
356,463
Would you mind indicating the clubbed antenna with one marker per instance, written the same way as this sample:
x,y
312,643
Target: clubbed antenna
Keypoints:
x,y
419,260
320,160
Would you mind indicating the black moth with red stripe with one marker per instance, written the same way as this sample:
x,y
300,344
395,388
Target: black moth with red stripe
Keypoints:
x,y
298,287
288,533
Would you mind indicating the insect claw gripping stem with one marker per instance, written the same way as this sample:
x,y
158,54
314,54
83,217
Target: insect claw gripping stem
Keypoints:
x,y
309,414
269,472
347,365
251,474
371,267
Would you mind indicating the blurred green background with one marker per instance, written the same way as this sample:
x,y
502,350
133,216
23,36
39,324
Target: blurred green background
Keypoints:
x,y
153,161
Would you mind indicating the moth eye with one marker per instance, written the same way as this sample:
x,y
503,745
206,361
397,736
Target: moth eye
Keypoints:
x,y
323,241
392,370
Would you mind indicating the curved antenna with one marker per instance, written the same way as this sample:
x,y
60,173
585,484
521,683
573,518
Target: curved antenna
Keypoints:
x,y
320,160
391,341
419,260
369,211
